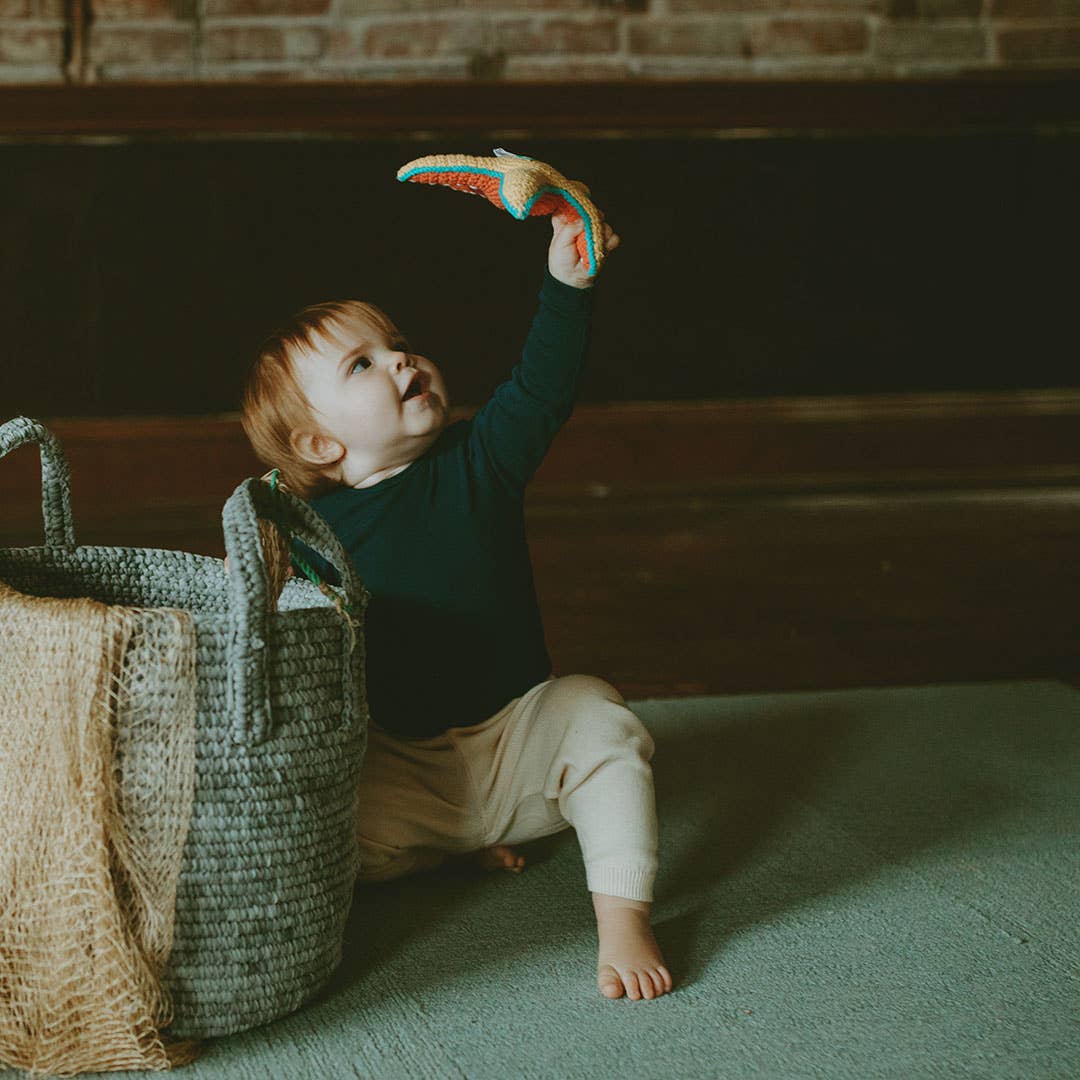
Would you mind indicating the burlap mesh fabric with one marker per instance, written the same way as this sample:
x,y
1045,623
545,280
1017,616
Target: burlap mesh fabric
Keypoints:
x,y
268,863
97,770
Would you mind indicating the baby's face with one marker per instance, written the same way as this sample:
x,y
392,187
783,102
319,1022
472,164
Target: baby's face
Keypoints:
x,y
357,380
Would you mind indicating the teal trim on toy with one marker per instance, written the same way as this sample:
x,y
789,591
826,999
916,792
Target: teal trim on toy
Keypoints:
x,y
521,186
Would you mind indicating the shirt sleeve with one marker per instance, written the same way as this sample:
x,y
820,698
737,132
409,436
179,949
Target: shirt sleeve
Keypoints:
x,y
510,435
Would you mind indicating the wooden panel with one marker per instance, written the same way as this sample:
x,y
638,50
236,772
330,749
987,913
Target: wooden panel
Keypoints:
x,y
992,99
142,276
163,470
716,548
755,592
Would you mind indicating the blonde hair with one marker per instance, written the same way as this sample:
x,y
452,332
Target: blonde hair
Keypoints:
x,y
273,404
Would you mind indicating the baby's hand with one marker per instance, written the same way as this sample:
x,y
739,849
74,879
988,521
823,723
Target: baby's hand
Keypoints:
x,y
563,260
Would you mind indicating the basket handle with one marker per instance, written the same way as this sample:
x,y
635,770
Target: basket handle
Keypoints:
x,y
55,477
250,602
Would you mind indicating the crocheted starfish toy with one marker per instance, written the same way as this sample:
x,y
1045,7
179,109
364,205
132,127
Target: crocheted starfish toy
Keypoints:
x,y
520,185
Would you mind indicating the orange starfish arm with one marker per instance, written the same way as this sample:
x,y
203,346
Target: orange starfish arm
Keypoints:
x,y
522,186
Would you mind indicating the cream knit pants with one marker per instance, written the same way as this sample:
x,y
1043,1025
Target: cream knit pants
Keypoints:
x,y
567,752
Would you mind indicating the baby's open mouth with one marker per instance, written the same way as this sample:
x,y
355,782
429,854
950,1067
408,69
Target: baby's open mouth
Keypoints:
x,y
415,387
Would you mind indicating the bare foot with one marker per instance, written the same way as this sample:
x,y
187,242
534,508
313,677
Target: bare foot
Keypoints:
x,y
629,960
499,857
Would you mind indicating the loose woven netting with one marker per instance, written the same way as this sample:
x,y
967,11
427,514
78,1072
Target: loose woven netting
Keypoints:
x,y
97,774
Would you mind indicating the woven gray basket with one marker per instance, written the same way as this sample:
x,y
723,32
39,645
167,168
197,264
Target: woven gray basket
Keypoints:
x,y
271,855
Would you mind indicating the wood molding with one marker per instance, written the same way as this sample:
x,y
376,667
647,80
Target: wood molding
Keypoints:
x,y
174,471
665,563
983,99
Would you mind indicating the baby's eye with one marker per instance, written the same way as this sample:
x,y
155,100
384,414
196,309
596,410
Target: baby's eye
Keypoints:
x,y
357,361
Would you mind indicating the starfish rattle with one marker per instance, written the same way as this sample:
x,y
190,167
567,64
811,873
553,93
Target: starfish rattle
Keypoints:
x,y
522,186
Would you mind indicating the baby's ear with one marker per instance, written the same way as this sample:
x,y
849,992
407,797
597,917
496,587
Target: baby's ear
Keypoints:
x,y
316,448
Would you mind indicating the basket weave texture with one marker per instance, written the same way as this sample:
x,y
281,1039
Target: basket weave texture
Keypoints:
x,y
271,855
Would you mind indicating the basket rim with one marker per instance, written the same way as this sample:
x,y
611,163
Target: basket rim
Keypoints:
x,y
300,587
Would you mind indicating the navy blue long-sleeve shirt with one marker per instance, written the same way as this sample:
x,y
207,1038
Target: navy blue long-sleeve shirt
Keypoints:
x,y
453,629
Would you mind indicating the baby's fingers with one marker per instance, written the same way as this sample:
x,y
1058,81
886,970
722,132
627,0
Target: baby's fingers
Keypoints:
x,y
566,218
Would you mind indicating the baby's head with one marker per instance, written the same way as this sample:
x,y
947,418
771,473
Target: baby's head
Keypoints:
x,y
325,401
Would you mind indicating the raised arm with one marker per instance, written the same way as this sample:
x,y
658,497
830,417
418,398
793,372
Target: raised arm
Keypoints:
x,y
510,436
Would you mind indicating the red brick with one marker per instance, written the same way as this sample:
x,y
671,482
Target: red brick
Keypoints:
x,y
1032,9
231,72
688,37
440,69
1039,43
299,8
725,7
554,35
399,38
925,41
31,44
31,9
172,73
104,10
443,67
31,75
354,8
841,7
528,69
264,42
416,7
140,45
751,7
809,37
542,5
935,9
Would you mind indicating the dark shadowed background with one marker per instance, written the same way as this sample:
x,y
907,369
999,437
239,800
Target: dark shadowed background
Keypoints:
x,y
139,277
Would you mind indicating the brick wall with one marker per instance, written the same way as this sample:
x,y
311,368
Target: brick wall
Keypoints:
x,y
53,41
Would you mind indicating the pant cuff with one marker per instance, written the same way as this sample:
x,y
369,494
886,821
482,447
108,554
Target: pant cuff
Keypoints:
x,y
627,882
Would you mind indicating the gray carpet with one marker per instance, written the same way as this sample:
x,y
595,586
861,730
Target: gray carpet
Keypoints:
x,y
868,883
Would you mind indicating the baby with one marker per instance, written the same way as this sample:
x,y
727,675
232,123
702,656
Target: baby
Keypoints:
x,y
474,745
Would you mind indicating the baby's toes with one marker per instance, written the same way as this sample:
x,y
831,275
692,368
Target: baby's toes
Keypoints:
x,y
506,857
633,987
610,983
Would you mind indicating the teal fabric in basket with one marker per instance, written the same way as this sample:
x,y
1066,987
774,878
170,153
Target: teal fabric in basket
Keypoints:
x,y
270,859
